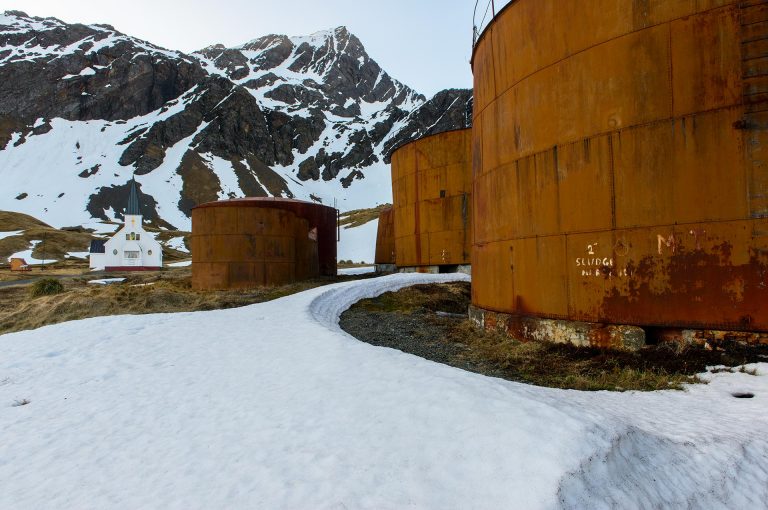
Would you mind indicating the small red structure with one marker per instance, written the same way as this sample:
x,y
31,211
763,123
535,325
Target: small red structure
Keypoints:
x,y
19,265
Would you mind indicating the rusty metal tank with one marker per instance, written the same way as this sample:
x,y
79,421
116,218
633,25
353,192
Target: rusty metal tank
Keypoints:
x,y
385,238
252,242
620,171
431,190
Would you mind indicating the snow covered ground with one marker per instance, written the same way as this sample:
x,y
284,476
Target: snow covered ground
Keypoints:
x,y
3,235
357,270
28,258
359,244
107,281
184,263
273,406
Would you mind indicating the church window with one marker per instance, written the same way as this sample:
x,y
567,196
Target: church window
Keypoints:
x,y
149,252
127,237
114,252
138,237
131,254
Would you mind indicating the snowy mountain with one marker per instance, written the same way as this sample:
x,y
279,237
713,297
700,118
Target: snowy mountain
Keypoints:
x,y
83,107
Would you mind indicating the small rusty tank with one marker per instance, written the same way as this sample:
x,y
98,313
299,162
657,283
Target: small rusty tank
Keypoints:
x,y
253,242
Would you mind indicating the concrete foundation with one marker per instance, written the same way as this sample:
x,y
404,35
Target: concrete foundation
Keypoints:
x,y
589,334
581,334
385,268
707,338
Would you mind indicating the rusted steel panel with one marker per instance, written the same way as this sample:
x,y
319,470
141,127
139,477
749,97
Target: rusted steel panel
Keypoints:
x,y
539,278
754,12
493,283
524,42
706,61
676,171
704,276
756,156
714,275
619,161
585,180
484,91
247,243
385,238
432,200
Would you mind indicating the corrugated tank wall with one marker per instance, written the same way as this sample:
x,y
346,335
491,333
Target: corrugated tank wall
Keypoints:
x,y
432,189
385,238
619,167
249,243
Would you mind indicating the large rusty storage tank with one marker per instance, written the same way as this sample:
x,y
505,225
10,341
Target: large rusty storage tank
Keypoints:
x,y
620,171
431,190
385,240
252,242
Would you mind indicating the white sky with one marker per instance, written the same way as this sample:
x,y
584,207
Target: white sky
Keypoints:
x,y
425,44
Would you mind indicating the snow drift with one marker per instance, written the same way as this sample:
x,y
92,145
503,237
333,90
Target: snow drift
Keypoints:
x,y
273,406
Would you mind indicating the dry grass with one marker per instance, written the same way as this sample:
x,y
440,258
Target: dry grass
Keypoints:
x,y
10,221
141,293
69,267
358,217
565,366
457,342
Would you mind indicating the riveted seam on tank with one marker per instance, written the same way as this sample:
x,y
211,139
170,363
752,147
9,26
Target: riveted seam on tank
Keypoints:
x,y
734,107
612,181
670,72
498,95
628,227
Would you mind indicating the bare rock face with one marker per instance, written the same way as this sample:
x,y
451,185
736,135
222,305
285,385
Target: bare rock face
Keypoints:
x,y
272,114
448,110
79,72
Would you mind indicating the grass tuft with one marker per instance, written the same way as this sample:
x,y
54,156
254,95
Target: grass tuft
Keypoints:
x,y
358,217
46,287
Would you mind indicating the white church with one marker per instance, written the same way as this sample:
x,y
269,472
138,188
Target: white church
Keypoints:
x,y
131,248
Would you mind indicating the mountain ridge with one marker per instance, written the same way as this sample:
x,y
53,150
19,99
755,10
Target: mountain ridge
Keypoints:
x,y
310,117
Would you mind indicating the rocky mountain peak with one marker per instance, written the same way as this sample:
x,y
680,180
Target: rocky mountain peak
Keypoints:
x,y
298,70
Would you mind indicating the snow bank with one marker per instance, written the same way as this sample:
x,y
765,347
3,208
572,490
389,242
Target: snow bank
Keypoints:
x,y
28,258
357,270
184,263
273,406
3,235
359,244
107,281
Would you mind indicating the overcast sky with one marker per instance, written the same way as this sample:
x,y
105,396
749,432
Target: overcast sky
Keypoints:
x,y
425,44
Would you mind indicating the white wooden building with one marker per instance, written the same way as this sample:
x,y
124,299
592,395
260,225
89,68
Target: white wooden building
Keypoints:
x,y
131,248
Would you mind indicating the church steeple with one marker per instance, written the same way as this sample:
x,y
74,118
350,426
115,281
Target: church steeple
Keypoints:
x,y
133,201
